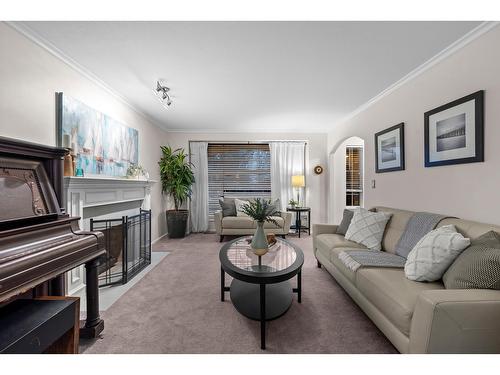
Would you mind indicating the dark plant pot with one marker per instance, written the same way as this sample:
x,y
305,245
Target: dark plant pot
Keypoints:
x,y
177,223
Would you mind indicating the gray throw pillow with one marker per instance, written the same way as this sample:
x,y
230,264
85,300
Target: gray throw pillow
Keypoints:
x,y
228,207
346,221
478,267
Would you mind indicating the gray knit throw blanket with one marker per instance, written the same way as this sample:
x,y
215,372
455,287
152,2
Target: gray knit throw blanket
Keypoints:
x,y
353,259
418,226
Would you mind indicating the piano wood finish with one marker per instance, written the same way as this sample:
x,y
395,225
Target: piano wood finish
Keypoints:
x,y
38,242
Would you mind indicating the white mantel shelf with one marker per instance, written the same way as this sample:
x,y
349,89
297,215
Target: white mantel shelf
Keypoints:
x,y
104,182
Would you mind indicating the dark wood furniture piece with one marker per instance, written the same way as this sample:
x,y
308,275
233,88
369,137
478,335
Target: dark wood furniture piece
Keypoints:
x,y
40,325
38,241
261,289
298,222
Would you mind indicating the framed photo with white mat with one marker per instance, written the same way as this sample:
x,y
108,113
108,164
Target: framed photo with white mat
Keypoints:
x,y
454,132
390,149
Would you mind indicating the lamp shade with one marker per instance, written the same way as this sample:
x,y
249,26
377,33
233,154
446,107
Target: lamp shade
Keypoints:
x,y
298,181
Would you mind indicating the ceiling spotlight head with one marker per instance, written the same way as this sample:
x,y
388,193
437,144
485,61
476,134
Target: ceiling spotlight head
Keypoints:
x,y
162,92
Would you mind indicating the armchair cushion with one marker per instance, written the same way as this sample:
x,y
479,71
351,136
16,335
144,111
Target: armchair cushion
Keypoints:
x,y
238,222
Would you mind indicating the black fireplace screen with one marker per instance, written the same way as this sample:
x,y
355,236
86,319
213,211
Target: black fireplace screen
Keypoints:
x,y
128,247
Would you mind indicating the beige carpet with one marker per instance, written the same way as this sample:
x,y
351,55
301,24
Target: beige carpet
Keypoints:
x,y
176,308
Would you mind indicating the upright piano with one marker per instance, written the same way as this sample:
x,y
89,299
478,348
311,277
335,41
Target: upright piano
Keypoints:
x,y
39,242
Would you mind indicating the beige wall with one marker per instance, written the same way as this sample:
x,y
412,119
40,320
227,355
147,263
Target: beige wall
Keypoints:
x,y
468,190
29,78
316,189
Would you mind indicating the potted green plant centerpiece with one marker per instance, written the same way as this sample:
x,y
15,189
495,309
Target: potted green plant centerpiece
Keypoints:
x,y
261,211
176,181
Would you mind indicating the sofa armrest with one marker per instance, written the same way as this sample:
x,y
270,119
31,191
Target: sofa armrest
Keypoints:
x,y
318,229
287,218
456,321
218,222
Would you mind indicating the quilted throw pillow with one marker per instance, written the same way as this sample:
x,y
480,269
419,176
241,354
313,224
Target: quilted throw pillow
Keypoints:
x,y
478,267
434,253
367,228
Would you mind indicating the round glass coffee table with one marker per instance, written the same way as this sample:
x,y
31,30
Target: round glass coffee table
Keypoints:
x,y
261,289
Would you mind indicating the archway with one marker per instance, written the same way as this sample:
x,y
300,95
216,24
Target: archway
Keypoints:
x,y
337,194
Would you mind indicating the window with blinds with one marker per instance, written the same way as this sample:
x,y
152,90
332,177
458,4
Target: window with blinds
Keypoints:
x,y
354,176
238,171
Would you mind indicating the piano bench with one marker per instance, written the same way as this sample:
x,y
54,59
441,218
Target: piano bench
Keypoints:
x,y
41,325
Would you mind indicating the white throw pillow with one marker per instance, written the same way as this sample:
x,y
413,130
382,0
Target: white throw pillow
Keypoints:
x,y
434,253
367,228
239,203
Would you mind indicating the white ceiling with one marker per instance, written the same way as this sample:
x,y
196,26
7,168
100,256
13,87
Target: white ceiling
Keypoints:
x,y
258,76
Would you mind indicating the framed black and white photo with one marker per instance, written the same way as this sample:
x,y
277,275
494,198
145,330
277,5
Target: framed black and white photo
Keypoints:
x,y
454,132
390,149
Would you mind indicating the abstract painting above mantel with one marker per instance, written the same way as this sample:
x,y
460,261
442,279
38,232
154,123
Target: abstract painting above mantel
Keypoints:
x,y
101,144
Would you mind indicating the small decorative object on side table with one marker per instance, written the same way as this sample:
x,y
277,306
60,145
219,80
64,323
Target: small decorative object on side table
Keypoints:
x,y
298,221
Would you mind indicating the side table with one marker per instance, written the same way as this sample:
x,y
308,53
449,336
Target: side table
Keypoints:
x,y
298,221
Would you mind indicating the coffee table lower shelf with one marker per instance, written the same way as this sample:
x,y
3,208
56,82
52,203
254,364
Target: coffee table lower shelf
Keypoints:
x,y
246,299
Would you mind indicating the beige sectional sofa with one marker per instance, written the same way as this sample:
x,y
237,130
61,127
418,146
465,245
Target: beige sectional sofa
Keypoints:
x,y
242,225
416,317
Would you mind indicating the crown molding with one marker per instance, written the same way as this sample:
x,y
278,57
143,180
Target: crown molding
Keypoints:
x,y
472,35
54,51
248,131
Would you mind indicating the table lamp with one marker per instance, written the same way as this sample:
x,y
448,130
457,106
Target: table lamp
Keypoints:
x,y
298,181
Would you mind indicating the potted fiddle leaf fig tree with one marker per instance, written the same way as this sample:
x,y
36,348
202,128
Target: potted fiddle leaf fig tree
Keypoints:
x,y
176,180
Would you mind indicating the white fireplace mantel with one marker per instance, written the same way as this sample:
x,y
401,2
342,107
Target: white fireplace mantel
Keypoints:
x,y
94,191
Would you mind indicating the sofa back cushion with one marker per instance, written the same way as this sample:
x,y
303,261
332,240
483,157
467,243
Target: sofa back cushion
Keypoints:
x,y
394,228
397,224
470,229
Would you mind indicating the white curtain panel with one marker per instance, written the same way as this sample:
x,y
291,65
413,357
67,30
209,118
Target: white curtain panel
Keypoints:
x,y
287,159
199,197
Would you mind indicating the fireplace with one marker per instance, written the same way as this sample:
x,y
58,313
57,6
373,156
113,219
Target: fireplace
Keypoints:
x,y
128,247
104,198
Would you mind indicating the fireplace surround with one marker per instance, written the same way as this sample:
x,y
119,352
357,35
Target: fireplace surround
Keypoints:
x,y
99,198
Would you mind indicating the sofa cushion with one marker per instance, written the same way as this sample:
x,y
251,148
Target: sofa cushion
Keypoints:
x,y
278,219
394,228
334,258
238,222
392,293
329,241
